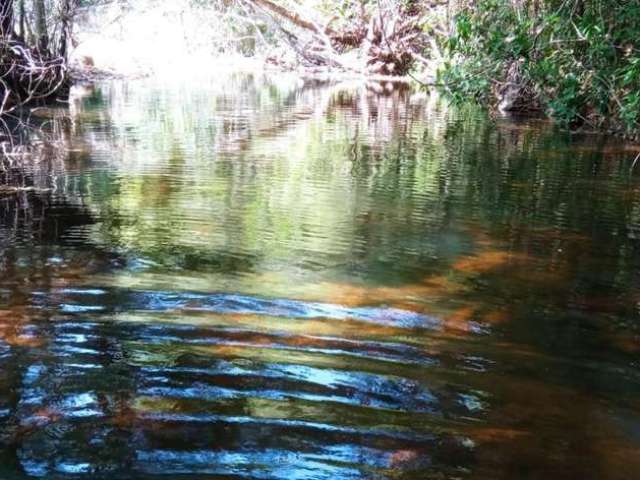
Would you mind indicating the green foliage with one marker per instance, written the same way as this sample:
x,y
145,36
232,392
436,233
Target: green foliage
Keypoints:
x,y
579,58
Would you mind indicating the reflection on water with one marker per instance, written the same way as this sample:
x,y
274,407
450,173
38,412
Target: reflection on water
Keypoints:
x,y
260,279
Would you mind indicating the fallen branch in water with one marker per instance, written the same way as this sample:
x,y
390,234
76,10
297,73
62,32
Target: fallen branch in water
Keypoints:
x,y
385,39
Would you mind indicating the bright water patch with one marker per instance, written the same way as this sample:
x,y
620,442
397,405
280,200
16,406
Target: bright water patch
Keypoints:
x,y
226,303
251,279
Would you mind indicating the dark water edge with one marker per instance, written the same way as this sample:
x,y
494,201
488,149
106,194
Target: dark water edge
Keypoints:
x,y
259,278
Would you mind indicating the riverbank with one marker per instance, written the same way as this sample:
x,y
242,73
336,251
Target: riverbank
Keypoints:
x,y
576,61
175,42
180,39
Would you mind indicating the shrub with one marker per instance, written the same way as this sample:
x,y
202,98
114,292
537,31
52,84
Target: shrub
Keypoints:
x,y
578,59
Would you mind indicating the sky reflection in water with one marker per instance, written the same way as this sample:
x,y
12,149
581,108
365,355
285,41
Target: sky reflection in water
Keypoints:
x,y
261,279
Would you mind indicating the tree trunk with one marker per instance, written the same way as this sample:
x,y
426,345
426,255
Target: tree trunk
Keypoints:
x,y
41,25
23,33
6,18
68,9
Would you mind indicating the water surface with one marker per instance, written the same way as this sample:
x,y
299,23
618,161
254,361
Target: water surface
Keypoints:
x,y
258,277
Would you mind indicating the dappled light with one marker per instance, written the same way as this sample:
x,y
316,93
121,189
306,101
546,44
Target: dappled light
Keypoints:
x,y
264,277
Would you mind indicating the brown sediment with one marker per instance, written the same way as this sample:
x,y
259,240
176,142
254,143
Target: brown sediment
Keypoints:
x,y
547,429
625,342
554,233
47,414
125,415
495,317
461,318
487,261
400,457
496,434
409,294
314,327
619,460
443,288
18,340
481,238
12,323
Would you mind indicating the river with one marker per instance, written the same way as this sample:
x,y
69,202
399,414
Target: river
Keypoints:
x,y
259,277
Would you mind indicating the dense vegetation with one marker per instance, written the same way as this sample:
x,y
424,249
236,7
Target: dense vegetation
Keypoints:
x,y
576,59
34,37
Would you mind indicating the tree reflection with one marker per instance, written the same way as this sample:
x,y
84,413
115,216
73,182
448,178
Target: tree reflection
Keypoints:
x,y
270,279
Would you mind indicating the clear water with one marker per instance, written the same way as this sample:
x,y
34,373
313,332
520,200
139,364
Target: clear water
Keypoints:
x,y
254,277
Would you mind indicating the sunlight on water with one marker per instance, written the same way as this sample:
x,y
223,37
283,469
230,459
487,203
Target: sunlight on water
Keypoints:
x,y
276,279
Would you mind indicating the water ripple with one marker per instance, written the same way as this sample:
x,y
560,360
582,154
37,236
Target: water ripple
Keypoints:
x,y
75,301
